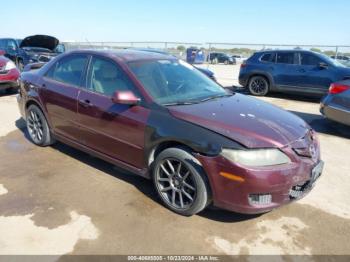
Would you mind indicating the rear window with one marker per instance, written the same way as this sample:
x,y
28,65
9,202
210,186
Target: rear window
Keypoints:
x,y
285,58
68,70
267,57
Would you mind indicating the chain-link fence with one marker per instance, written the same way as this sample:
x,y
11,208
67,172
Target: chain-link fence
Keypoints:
x,y
241,50
175,48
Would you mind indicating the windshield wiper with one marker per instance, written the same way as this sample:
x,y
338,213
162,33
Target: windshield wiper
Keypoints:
x,y
180,103
191,102
214,97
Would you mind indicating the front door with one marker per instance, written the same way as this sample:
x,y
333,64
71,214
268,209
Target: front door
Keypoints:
x,y
315,78
61,87
113,129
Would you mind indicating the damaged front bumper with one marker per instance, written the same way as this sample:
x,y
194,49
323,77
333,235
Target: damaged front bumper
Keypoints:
x,y
259,190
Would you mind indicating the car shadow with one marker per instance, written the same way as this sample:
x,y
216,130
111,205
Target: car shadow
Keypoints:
x,y
323,125
8,93
144,185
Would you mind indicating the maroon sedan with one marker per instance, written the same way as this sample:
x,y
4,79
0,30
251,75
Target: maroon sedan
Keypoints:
x,y
162,119
9,74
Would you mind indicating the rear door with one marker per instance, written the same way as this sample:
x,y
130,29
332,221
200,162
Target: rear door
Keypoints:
x,y
315,79
61,87
287,71
113,129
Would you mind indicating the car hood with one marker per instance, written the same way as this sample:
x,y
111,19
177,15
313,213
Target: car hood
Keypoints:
x,y
43,41
248,121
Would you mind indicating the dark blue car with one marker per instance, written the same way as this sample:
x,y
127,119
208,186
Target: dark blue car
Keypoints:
x,y
293,71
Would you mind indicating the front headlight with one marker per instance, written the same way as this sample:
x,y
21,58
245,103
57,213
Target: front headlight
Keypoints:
x,y
256,157
9,65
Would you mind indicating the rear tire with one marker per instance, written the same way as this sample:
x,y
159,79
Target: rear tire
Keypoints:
x,y
258,86
38,128
180,182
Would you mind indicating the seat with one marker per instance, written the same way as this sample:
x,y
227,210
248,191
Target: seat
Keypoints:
x,y
108,79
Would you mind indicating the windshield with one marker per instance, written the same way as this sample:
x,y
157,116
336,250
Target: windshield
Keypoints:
x,y
175,82
331,61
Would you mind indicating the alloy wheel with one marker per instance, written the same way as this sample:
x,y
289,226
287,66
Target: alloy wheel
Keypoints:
x,y
258,86
35,127
175,183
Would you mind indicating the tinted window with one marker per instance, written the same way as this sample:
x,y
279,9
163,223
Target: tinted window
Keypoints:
x,y
267,57
68,70
285,58
3,44
309,59
7,43
106,77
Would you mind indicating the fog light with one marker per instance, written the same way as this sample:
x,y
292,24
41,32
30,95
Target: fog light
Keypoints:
x,y
257,199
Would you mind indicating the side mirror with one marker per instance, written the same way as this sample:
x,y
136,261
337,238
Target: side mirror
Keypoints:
x,y
33,66
323,65
125,98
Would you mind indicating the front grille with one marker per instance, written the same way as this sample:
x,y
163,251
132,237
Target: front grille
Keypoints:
x,y
260,199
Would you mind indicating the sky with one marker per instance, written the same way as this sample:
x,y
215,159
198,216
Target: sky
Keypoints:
x,y
321,22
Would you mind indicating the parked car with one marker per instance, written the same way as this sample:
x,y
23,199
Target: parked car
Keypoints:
x,y
294,71
9,74
205,71
160,118
336,105
239,58
341,57
32,49
216,58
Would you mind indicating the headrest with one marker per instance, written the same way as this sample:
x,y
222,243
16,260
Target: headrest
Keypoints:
x,y
108,71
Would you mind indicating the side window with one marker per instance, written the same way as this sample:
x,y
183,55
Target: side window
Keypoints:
x,y
267,57
285,58
2,44
68,70
309,60
105,77
11,45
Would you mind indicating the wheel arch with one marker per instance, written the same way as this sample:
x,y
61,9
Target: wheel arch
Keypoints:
x,y
267,76
38,104
161,146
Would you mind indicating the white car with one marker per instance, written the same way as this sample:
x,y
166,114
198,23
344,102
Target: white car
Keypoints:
x,y
239,59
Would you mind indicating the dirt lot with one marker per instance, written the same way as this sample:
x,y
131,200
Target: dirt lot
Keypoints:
x,y
59,200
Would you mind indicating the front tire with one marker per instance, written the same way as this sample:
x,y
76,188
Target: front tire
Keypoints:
x,y
180,182
38,128
258,86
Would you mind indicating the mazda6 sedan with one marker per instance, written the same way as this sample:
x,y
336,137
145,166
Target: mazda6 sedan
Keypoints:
x,y
162,119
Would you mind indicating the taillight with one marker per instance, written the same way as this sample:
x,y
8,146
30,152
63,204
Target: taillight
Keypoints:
x,y
338,88
244,64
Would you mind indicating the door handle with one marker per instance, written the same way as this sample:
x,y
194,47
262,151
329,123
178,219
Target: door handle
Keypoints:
x,y
85,103
302,70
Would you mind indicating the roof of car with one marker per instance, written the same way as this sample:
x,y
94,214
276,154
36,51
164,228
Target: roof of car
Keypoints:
x,y
127,55
285,50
